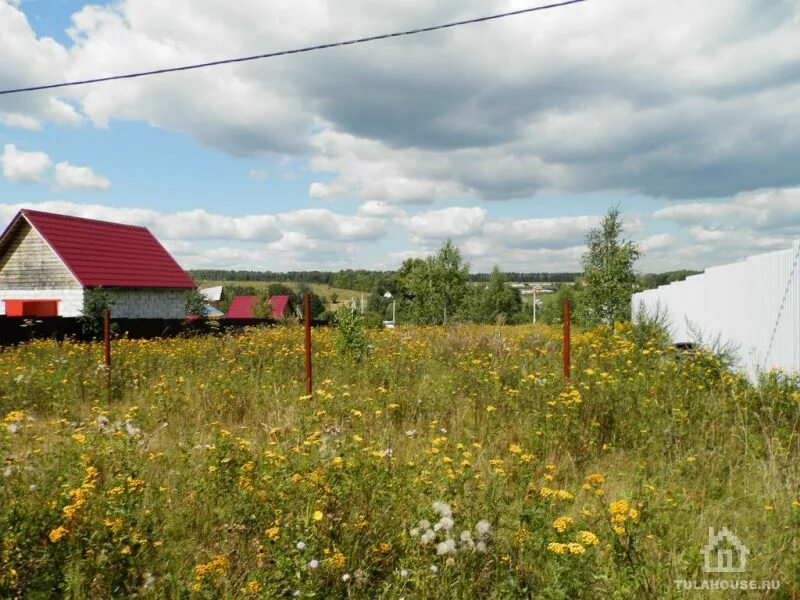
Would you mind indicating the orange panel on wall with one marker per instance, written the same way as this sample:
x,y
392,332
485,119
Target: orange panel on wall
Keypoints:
x,y
31,308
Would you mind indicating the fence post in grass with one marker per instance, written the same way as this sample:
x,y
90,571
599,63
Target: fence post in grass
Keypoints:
x,y
565,352
107,347
307,322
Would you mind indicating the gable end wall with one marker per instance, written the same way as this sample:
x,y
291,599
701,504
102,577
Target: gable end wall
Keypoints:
x,y
28,263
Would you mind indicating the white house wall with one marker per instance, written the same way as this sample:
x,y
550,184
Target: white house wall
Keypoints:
x,y
70,305
739,304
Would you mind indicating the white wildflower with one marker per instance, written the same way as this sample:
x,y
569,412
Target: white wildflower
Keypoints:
x,y
403,573
414,532
346,577
131,430
481,547
466,536
483,528
446,523
442,509
411,433
314,563
424,524
446,547
450,561
427,537
300,545
434,569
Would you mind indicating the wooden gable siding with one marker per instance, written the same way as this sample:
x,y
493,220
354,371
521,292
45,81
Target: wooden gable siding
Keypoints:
x,y
28,263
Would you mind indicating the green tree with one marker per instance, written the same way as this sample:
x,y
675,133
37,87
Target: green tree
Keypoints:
x,y
436,286
195,303
95,302
351,339
609,276
499,300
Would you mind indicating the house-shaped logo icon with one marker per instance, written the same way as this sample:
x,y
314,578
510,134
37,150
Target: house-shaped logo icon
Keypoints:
x,y
724,553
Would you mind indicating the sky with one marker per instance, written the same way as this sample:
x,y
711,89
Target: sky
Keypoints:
x,y
513,137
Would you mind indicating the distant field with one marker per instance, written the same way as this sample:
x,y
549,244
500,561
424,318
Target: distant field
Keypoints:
x,y
325,291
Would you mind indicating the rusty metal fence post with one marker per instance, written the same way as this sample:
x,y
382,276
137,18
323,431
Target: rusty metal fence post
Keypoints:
x,y
107,348
307,322
565,351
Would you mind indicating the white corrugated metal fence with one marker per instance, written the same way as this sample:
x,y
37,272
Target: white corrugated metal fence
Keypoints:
x,y
753,305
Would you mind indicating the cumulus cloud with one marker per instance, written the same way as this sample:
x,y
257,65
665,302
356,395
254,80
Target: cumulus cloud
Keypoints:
x,y
555,232
24,167
454,222
70,177
327,224
760,209
569,99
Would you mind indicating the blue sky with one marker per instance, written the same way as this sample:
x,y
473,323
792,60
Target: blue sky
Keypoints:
x,y
511,138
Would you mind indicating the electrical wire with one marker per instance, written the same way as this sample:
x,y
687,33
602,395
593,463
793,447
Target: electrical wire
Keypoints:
x,y
228,61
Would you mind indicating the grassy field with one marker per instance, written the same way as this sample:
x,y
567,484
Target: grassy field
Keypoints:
x,y
452,463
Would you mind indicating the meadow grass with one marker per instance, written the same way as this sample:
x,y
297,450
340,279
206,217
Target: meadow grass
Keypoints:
x,y
453,462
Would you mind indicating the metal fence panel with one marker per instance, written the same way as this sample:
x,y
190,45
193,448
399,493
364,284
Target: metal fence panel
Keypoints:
x,y
751,307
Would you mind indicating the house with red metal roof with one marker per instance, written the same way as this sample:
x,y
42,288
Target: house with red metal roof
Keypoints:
x,y
48,261
244,307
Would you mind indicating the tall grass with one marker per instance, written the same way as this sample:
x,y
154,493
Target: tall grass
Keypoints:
x,y
206,472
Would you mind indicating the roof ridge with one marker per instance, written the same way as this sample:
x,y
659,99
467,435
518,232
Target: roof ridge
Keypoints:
x,y
27,211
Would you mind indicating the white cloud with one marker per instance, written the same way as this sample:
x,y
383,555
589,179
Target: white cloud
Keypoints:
x,y
70,177
760,209
560,100
454,222
554,232
24,167
20,121
657,241
330,225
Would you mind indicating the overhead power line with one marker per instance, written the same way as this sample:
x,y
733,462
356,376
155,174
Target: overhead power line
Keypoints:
x,y
228,61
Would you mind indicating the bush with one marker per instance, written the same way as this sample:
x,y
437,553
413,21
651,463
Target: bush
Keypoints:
x,y
351,340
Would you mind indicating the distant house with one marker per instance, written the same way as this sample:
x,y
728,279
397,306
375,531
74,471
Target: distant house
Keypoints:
x,y
212,295
244,307
49,261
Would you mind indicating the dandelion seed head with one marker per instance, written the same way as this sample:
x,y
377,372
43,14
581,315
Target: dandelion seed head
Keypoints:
x,y
483,527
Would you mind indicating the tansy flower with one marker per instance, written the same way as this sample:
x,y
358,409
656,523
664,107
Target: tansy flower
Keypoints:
x,y
587,538
561,524
58,533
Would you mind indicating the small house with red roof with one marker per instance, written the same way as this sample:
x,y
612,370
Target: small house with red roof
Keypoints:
x,y
48,261
244,307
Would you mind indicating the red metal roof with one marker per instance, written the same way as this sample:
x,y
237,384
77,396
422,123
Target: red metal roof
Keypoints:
x,y
108,254
242,307
279,305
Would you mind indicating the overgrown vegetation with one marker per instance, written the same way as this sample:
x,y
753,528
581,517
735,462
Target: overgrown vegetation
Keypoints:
x,y
452,462
96,301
